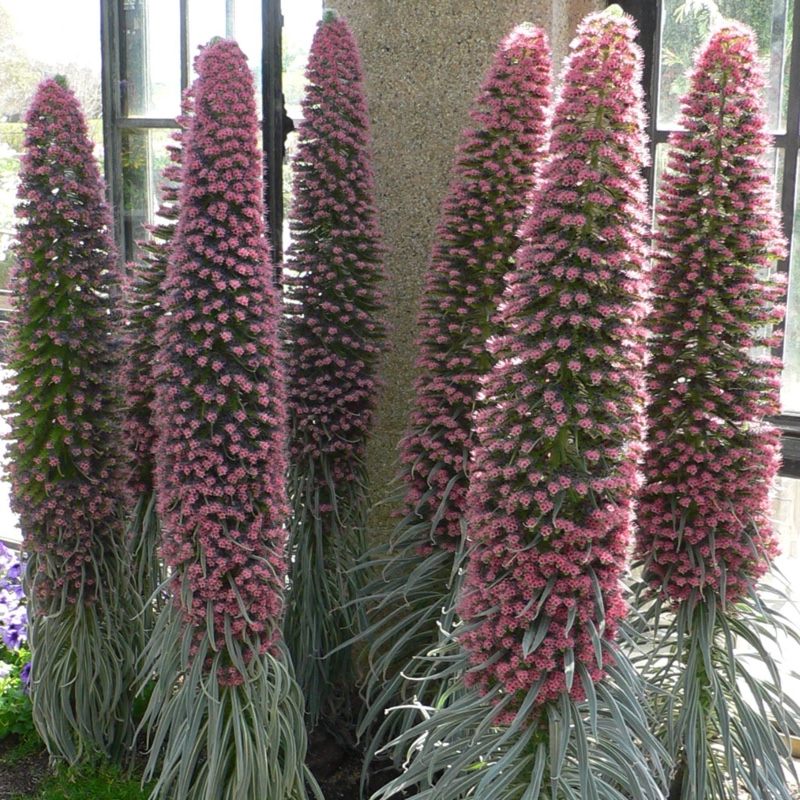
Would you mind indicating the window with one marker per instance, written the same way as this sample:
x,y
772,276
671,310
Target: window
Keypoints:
x,y
148,50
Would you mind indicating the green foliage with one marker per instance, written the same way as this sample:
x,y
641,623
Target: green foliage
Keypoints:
x,y
12,134
16,715
103,782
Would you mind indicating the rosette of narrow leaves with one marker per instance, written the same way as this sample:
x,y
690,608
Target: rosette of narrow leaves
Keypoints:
x,y
552,708
225,718
704,531
63,452
335,336
142,289
493,177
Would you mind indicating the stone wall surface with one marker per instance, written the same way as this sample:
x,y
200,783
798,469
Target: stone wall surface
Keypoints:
x,y
424,61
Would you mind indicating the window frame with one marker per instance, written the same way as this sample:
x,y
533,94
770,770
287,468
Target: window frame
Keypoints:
x,y
116,122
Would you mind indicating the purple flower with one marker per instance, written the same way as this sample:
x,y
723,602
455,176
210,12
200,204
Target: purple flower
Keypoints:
x,y
13,612
25,677
13,635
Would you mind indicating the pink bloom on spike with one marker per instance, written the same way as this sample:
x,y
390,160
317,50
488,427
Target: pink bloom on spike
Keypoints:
x,y
220,482
550,528
704,516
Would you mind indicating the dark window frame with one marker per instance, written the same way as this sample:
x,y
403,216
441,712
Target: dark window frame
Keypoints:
x,y
647,14
115,120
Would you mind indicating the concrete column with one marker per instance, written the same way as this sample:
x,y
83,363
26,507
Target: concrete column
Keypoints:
x,y
424,61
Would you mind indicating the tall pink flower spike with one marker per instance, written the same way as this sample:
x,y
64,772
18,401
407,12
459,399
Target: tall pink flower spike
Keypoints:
x,y
476,238
555,471
335,335
216,652
64,453
552,479
712,455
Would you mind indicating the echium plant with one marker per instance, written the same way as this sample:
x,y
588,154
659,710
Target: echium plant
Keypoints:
x,y
64,452
493,177
335,337
704,531
552,708
142,289
225,718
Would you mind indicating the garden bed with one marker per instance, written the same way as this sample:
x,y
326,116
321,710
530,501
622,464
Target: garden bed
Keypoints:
x,y
23,768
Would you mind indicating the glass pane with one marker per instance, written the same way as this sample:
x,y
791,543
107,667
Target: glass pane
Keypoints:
x,y
207,19
685,26
230,19
10,153
152,58
247,30
786,517
660,160
299,24
49,37
790,390
144,156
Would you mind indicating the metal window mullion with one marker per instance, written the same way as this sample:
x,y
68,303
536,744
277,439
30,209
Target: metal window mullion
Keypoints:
x,y
184,44
272,100
790,423
790,140
143,123
110,38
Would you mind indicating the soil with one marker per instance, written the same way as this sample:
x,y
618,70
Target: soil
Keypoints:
x,y
20,776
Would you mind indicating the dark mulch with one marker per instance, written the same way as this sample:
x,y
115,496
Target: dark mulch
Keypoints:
x,y
20,774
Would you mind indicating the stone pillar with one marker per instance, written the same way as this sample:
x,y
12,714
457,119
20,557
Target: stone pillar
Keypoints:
x,y
424,61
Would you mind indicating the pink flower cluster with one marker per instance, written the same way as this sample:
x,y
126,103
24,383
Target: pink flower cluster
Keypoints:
x,y
332,277
63,456
704,519
554,473
477,236
220,411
